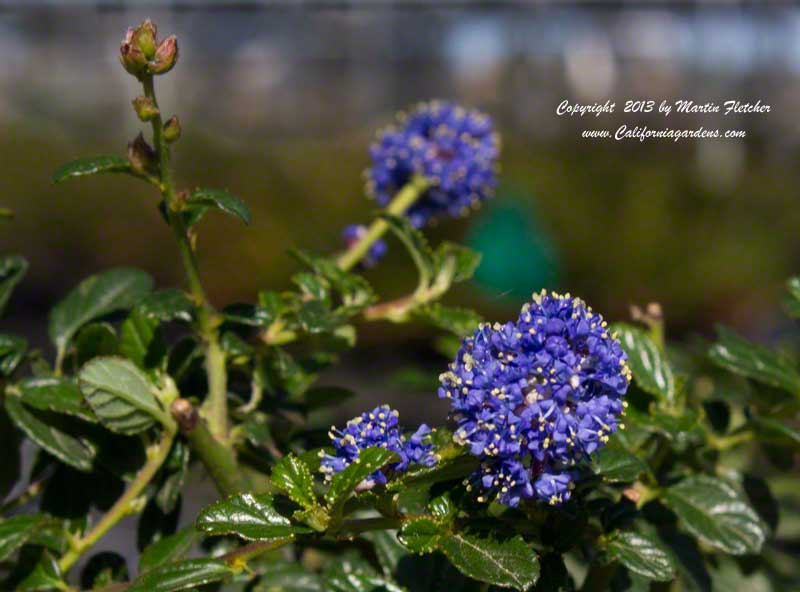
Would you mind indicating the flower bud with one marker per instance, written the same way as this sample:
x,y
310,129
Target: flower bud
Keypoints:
x,y
144,37
131,56
145,108
141,156
172,129
166,56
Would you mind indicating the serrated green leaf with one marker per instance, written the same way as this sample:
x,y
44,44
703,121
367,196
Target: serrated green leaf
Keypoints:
x,y
12,269
49,436
141,341
715,512
167,305
616,463
45,576
650,367
12,352
510,563
421,535
168,549
459,321
182,575
642,555
251,517
292,476
97,296
417,246
120,394
14,532
93,165
754,361
223,201
60,395
344,483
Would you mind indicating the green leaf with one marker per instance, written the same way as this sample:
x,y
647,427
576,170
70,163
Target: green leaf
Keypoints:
x,y
388,550
642,555
715,512
175,470
793,298
461,261
344,483
754,361
14,532
251,517
97,296
510,563
616,463
120,394
141,341
182,575
316,317
60,395
282,576
12,352
775,431
650,366
421,535
223,201
93,165
355,292
94,340
51,438
12,269
292,476
167,305
45,576
446,470
168,549
417,246
459,321
251,315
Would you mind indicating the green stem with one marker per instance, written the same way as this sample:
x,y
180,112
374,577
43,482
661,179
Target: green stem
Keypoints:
x,y
126,504
219,460
216,406
404,199
725,442
349,528
239,557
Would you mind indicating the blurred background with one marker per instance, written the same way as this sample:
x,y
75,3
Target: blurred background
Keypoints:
x,y
279,102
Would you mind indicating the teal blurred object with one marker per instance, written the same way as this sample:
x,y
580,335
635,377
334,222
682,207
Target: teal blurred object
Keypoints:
x,y
518,256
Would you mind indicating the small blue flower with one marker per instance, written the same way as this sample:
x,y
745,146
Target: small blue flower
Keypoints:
x,y
378,427
535,397
354,233
454,148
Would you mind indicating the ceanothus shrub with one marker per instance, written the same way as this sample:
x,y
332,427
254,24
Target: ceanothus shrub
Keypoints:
x,y
576,454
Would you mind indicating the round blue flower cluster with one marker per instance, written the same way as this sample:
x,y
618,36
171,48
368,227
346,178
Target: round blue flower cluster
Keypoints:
x,y
378,427
354,233
534,397
455,149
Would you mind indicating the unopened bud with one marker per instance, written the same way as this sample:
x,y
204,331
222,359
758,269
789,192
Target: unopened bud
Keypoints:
x,y
166,56
131,56
185,414
144,37
141,156
172,129
145,108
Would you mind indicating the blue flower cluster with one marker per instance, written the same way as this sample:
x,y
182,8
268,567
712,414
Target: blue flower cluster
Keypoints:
x,y
455,149
354,233
378,427
535,397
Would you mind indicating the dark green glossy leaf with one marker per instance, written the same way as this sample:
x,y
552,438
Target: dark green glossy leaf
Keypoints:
x,y
421,535
15,532
97,296
251,315
168,549
12,352
650,367
251,517
642,555
715,512
182,575
45,576
167,305
120,394
510,563
45,432
754,361
344,483
459,321
446,470
616,463
223,201
93,165
292,476
60,395
12,270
